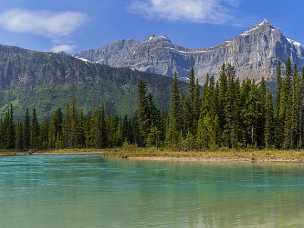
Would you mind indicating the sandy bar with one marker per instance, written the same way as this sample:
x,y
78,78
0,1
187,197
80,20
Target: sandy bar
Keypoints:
x,y
216,160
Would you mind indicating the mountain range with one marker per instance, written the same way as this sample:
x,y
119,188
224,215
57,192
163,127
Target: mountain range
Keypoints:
x,y
109,76
254,53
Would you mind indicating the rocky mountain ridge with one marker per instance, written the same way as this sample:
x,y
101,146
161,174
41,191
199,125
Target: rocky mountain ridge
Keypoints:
x,y
254,53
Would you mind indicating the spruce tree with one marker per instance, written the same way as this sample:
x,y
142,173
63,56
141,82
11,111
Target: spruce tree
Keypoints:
x,y
35,131
245,116
174,127
231,109
295,125
45,134
117,132
11,134
261,113
279,120
221,101
19,137
136,130
197,102
81,136
57,129
155,124
189,143
72,129
27,130
128,131
101,134
154,137
301,111
191,105
286,108
207,131
269,123
143,115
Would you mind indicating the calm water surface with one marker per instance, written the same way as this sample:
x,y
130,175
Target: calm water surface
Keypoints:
x,y
89,192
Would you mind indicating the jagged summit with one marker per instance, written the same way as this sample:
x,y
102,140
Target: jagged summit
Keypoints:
x,y
255,53
157,38
265,24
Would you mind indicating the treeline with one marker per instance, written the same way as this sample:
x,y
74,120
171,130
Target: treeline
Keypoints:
x,y
68,128
224,113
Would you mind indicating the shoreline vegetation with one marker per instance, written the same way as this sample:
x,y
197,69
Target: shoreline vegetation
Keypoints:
x,y
153,154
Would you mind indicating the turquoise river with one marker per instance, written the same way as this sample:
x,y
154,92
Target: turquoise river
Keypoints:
x,y
91,192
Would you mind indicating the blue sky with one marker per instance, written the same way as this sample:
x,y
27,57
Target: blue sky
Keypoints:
x,y
74,25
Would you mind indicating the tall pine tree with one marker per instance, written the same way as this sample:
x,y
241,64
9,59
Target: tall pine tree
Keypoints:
x,y
174,127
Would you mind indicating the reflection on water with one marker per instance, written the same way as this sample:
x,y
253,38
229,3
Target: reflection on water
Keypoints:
x,y
89,192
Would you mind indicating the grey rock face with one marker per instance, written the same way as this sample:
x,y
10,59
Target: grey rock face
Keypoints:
x,y
255,54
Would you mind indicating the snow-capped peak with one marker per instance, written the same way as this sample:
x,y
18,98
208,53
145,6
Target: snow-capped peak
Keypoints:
x,y
263,23
156,38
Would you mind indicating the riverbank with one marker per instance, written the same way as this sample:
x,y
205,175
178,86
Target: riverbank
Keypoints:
x,y
221,155
153,154
75,151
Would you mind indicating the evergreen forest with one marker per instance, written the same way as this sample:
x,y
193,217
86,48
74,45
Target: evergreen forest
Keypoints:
x,y
226,113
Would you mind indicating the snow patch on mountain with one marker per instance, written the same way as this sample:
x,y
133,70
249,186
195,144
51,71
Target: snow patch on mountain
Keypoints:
x,y
295,43
298,47
198,51
83,59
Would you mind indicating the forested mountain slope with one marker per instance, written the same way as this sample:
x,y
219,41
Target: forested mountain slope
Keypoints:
x,y
45,81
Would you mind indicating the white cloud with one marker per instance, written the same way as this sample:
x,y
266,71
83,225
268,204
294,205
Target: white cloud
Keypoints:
x,y
45,23
62,48
199,11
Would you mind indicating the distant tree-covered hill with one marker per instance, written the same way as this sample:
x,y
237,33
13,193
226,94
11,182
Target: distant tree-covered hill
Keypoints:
x,y
46,81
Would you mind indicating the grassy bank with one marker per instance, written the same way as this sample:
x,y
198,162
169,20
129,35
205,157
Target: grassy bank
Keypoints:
x,y
246,155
